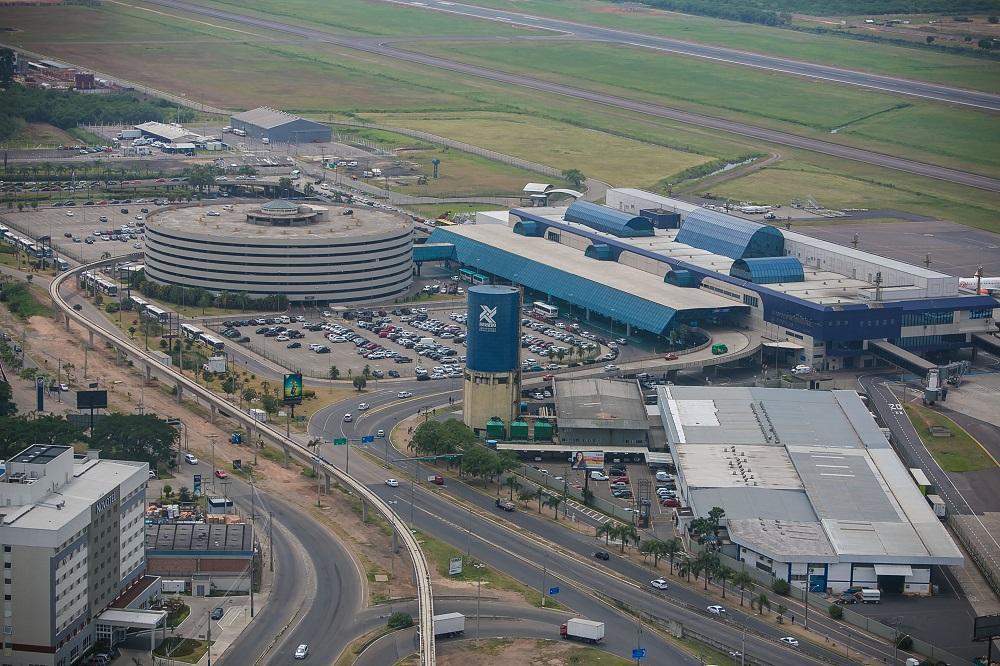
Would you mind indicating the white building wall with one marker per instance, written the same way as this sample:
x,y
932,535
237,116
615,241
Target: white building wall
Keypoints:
x,y
132,541
71,586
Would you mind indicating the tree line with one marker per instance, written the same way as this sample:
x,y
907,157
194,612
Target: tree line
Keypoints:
x,y
66,109
202,298
455,440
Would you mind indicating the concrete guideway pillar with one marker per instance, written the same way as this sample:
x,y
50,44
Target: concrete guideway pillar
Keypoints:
x,y
327,482
66,324
180,391
91,339
212,412
149,373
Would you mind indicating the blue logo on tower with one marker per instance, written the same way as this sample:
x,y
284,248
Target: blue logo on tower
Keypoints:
x,y
487,319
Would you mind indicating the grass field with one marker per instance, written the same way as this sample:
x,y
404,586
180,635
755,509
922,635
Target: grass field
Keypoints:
x,y
463,174
911,63
958,453
893,124
604,156
40,134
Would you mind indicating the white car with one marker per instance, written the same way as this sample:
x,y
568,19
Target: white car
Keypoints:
x,y
282,338
363,406
404,394
716,610
380,433
392,483
302,651
348,418
190,459
598,476
788,640
611,367
659,584
802,369
69,213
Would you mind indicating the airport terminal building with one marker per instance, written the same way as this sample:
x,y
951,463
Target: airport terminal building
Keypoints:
x,y
812,490
645,264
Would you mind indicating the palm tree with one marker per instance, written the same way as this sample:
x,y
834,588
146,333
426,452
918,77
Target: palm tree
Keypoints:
x,y
724,573
762,602
686,568
606,530
554,501
671,549
742,580
709,562
526,496
782,609
513,484
539,494
626,533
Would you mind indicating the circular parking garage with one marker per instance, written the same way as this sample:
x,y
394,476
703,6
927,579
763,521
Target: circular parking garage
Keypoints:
x,y
309,253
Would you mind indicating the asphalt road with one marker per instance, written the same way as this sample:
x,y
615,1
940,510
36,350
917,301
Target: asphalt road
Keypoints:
x,y
982,100
377,47
517,553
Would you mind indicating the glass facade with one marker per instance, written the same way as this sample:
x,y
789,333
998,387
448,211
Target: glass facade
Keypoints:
x,y
927,318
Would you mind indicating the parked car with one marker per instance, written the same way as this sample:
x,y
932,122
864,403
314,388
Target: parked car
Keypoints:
x,y
217,613
190,459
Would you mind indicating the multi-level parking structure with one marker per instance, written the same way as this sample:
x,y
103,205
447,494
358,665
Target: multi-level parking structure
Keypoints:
x,y
309,253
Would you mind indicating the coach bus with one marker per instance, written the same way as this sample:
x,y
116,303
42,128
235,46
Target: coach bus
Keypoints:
x,y
192,333
543,310
213,343
472,277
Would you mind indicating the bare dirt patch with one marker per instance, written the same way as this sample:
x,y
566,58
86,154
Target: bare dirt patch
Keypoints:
x,y
500,652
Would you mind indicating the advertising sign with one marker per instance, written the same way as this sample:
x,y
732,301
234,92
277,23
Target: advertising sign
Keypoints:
x,y
293,389
454,566
91,399
588,460
986,627
197,485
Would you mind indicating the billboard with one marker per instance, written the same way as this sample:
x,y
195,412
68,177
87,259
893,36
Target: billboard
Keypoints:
x,y
986,627
588,460
494,343
292,394
91,399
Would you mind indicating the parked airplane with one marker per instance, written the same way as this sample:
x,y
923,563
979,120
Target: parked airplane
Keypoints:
x,y
987,285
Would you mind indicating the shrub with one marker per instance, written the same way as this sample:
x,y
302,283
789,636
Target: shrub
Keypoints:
x,y
836,612
780,586
904,642
77,307
112,308
400,620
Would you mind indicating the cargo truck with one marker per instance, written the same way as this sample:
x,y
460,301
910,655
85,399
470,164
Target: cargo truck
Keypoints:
x,y
871,596
130,134
579,629
940,508
449,624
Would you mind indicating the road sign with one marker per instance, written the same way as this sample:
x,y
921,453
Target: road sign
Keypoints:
x,y
367,439
638,653
340,441
553,591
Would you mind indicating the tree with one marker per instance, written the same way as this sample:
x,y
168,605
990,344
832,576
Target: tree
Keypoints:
x,y
285,185
309,190
724,573
671,549
605,530
985,44
709,563
762,602
249,394
360,383
930,39
743,581
205,301
334,372
229,384
19,432
400,620
525,496
780,586
270,403
539,494
554,501
574,177
478,462
686,568
588,496
512,484
6,68
7,405
184,495
627,533
168,492
782,609
142,437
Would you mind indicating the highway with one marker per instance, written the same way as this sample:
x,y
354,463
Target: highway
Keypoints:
x,y
588,31
378,47
510,545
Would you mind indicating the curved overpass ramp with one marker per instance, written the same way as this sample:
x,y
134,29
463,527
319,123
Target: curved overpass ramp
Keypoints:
x,y
153,366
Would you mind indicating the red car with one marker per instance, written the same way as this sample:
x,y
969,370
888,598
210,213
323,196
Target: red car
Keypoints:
x,y
670,356
548,377
620,479
219,474
670,502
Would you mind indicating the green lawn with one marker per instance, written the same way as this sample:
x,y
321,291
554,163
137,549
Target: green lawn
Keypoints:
x,y
601,155
911,63
907,127
958,453
187,650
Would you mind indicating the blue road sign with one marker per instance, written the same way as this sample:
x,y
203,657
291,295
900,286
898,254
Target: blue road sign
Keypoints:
x,y
367,439
638,653
553,590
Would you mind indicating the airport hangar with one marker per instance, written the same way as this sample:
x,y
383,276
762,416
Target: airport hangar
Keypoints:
x,y
280,127
812,301
811,488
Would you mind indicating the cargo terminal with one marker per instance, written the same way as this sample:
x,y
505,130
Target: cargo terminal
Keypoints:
x,y
645,264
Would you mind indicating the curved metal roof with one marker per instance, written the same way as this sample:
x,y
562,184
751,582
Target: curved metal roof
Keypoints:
x,y
608,220
768,270
602,252
730,236
281,205
528,228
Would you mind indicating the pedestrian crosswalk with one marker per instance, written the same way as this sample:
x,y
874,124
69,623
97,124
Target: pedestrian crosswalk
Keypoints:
x,y
596,516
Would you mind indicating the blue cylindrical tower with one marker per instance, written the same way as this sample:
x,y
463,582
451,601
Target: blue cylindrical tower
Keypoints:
x,y
494,329
493,368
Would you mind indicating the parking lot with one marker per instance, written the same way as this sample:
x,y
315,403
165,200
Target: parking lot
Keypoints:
x,y
73,230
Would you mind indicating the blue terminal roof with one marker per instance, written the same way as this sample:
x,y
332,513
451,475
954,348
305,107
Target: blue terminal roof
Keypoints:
x,y
433,251
598,298
730,236
768,270
608,220
602,252
527,228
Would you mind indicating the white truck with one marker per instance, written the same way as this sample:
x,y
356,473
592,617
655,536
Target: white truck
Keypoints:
x,y
940,508
130,134
871,596
579,629
449,624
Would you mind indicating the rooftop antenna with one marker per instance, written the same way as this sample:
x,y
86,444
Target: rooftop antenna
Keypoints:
x,y
856,240
927,260
878,285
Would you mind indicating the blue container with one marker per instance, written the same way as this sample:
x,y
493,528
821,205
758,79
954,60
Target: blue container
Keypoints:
x,y
494,329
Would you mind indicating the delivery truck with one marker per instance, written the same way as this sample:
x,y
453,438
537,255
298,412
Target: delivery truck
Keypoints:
x,y
940,508
580,629
449,624
130,134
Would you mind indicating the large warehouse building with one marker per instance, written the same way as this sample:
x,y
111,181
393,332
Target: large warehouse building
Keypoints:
x,y
811,488
311,254
649,263
279,127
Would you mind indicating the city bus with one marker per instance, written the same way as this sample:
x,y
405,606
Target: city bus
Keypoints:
x,y
472,277
192,333
543,310
159,314
93,281
213,343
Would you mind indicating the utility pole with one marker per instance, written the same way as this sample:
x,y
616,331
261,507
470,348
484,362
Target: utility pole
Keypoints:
x,y
213,438
270,541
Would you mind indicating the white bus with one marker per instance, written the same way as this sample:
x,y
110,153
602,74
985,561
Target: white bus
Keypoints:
x,y
544,310
159,314
192,333
214,343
